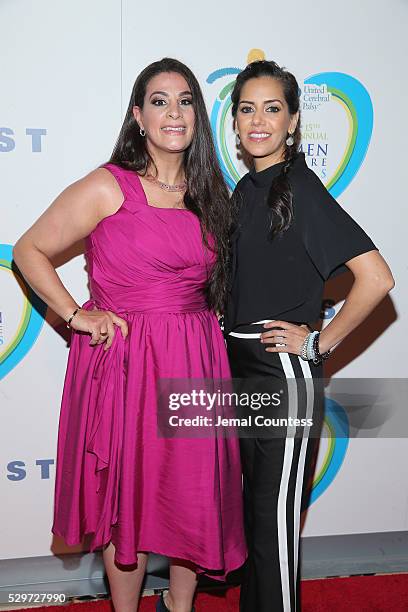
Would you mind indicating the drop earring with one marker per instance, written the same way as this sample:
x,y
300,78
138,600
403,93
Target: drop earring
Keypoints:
x,y
290,140
237,140
142,132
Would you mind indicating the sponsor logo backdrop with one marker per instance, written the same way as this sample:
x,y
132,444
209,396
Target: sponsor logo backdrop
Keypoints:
x,y
68,87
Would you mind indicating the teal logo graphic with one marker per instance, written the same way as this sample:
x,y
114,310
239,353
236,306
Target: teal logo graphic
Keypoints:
x,y
21,317
220,114
349,93
337,123
333,448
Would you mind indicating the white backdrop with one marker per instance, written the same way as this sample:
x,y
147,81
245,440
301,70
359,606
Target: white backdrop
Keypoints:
x,y
66,81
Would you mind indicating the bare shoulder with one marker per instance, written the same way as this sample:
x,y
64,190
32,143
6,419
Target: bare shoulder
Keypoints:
x,y
101,187
75,212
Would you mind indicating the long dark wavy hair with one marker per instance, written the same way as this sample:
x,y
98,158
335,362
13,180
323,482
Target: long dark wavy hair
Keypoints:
x,y
206,194
280,194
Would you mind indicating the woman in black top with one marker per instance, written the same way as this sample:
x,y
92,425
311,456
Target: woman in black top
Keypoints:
x,y
290,236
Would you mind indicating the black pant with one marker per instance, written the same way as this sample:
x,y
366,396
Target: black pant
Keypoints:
x,y
277,474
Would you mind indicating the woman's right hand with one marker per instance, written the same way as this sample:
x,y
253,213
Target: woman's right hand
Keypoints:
x,y
100,324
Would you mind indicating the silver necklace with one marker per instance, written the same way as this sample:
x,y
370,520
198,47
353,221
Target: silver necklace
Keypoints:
x,y
171,188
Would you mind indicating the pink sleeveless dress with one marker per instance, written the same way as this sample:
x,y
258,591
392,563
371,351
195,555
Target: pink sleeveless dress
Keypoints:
x,y
116,479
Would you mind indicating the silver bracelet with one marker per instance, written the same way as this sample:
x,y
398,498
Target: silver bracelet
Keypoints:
x,y
311,353
308,352
303,350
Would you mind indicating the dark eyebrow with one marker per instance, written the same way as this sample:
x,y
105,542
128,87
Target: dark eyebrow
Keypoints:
x,y
163,93
265,101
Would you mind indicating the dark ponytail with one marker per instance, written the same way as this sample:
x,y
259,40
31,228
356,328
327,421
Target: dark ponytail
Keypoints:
x,y
280,194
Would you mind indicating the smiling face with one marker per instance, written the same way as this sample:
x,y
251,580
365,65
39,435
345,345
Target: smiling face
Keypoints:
x,y
167,115
263,121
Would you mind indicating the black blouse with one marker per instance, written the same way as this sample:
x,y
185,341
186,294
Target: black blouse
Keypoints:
x,y
283,278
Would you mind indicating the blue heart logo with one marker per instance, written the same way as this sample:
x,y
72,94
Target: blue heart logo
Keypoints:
x,y
355,100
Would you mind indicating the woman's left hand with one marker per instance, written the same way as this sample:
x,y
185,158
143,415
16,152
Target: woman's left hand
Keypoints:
x,y
288,337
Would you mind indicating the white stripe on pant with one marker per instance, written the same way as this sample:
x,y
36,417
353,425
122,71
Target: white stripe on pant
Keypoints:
x,y
272,524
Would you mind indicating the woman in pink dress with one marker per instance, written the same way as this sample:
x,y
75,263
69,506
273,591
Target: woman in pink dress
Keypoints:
x,y
155,220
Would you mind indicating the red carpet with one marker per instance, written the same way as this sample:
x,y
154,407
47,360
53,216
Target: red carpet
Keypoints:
x,y
387,593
